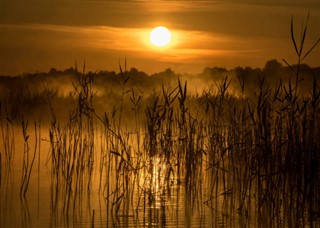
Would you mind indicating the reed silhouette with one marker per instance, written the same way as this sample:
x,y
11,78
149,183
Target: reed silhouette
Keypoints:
x,y
248,152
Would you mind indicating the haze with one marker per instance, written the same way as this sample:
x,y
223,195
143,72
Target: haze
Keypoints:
x,y
38,35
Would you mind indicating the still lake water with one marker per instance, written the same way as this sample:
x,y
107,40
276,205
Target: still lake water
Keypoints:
x,y
154,205
147,198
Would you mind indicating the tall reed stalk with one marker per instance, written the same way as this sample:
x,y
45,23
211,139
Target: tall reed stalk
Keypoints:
x,y
28,159
72,150
7,121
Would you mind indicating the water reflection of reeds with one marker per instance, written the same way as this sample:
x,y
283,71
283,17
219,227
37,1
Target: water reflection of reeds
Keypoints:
x,y
211,160
238,161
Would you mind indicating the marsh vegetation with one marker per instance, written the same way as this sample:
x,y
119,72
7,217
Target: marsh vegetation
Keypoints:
x,y
234,155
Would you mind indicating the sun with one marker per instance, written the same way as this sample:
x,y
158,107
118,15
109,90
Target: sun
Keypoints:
x,y
160,36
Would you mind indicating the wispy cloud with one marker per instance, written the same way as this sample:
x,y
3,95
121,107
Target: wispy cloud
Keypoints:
x,y
185,44
40,34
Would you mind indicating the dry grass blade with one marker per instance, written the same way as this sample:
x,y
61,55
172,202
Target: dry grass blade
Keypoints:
x,y
293,39
304,35
310,50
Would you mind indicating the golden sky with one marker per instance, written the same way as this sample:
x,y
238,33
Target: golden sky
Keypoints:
x,y
39,34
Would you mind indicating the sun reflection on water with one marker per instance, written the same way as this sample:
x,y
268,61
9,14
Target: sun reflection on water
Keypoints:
x,y
156,181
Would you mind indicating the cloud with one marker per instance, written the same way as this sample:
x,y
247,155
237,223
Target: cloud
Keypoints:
x,y
36,46
106,38
42,34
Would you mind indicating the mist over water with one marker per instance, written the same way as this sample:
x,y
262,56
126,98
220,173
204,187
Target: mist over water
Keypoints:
x,y
29,93
223,148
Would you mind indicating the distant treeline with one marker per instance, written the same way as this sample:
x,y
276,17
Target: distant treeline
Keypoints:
x,y
106,81
33,91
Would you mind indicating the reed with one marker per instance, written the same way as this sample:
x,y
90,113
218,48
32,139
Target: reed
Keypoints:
x,y
28,159
253,160
72,150
7,122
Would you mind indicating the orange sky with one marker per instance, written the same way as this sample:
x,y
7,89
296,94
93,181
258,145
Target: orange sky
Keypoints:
x,y
38,35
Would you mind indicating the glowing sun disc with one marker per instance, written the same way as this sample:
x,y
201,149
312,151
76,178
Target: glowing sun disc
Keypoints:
x,y
160,36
